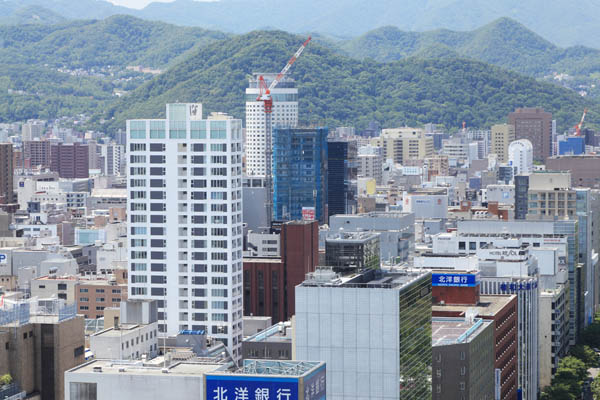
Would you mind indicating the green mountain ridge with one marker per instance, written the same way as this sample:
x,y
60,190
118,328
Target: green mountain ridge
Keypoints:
x,y
336,90
504,42
118,40
565,23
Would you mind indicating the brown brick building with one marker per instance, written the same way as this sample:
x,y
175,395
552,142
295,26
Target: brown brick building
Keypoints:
x,y
7,195
93,296
37,353
534,125
70,160
269,283
502,310
36,153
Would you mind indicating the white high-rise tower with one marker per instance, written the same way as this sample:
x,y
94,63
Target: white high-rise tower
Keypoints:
x,y
520,156
185,220
285,112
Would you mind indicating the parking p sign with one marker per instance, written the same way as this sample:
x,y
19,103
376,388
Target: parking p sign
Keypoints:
x,y
3,258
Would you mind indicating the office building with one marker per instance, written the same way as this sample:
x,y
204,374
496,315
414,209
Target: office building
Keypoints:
x,y
269,282
463,358
32,130
300,173
348,251
370,163
36,153
203,379
285,114
501,137
110,158
535,125
38,343
584,169
551,196
185,221
502,311
571,145
402,144
436,165
273,343
70,160
7,195
341,171
373,330
131,335
396,231
520,156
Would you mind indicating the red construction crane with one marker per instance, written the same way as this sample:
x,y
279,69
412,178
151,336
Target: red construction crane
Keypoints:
x,y
265,97
580,124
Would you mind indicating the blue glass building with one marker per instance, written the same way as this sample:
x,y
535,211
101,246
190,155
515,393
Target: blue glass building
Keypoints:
x,y
572,145
299,172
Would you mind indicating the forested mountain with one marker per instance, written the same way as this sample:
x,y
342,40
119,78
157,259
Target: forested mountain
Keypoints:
x,y
117,41
564,22
337,90
504,42
48,71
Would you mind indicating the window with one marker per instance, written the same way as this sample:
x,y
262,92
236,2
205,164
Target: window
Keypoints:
x,y
158,207
157,219
100,299
157,129
78,351
84,299
198,131
83,290
138,266
158,267
198,147
137,147
99,290
157,147
83,391
157,171
62,286
137,129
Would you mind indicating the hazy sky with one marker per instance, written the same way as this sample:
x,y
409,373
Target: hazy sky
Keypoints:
x,y
136,3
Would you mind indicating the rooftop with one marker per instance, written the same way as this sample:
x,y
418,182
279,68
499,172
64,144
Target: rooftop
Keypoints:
x,y
123,328
139,368
271,367
352,237
447,331
488,306
276,333
111,192
396,278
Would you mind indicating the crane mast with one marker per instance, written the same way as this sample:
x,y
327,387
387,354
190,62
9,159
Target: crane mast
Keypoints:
x,y
265,97
580,124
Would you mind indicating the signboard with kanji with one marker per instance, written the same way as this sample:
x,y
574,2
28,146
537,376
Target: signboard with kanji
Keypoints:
x,y
243,387
459,280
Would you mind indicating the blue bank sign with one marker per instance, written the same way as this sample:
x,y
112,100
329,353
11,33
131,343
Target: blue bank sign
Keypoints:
x,y
219,387
458,280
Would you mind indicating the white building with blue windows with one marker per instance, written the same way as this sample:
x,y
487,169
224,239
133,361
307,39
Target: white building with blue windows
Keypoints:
x,y
185,220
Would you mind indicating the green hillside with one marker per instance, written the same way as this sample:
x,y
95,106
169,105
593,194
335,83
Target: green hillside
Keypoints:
x,y
117,41
564,22
337,90
504,42
79,66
